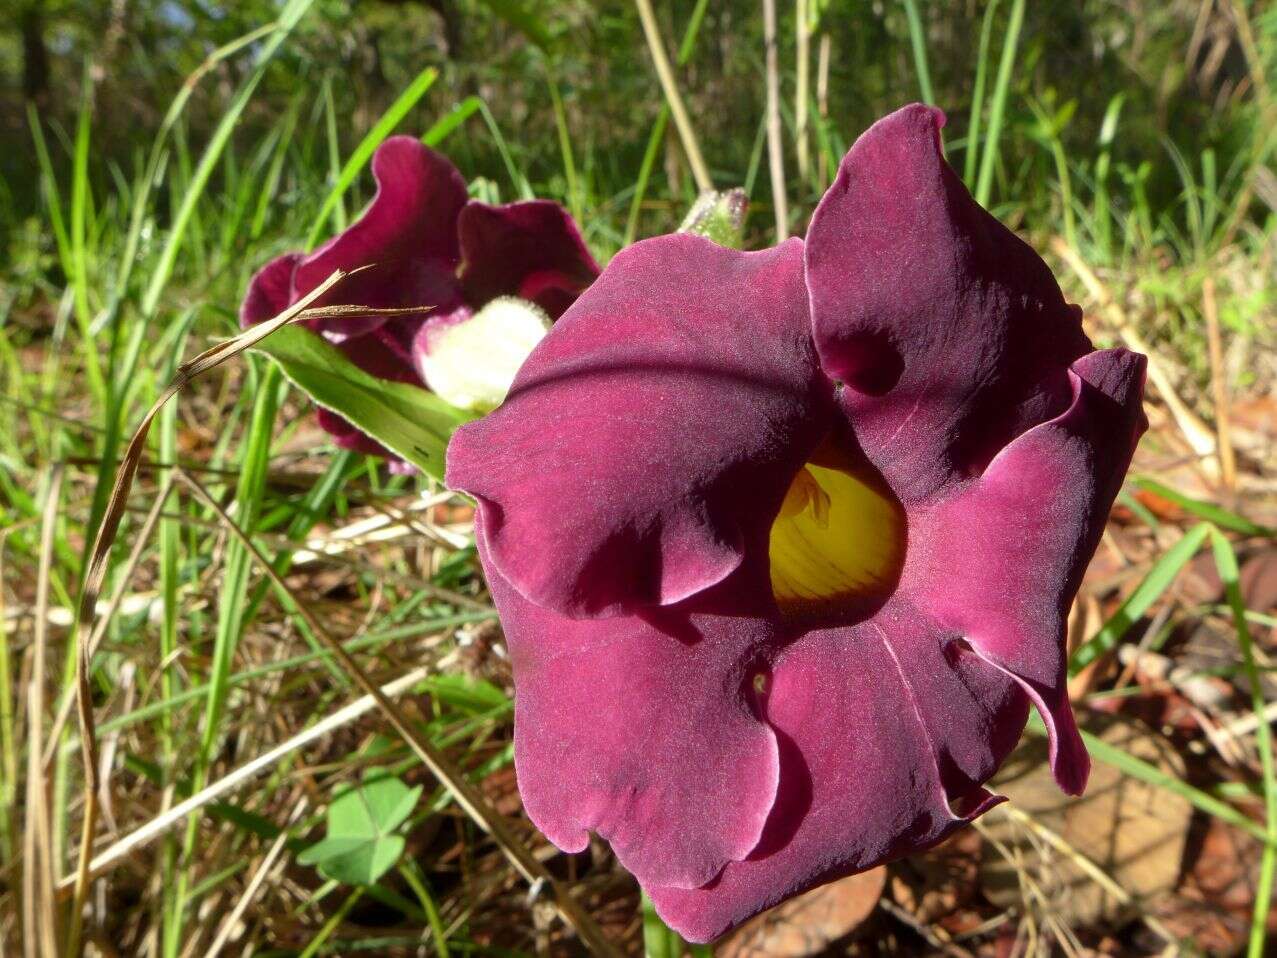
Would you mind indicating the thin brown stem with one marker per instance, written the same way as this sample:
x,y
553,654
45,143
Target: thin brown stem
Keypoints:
x,y
1219,387
775,153
665,73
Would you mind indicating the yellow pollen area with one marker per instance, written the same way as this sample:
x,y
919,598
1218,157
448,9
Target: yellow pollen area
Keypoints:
x,y
838,541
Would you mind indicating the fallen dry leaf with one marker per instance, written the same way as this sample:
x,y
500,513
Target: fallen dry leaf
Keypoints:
x,y
808,924
1135,833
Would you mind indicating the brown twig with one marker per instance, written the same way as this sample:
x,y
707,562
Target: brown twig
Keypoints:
x,y
1219,387
39,913
775,150
665,73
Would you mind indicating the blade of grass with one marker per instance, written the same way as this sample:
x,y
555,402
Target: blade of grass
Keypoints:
x,y
1212,513
333,205
292,12
521,185
1226,564
998,105
80,198
977,97
364,151
802,83
447,123
565,146
231,608
1102,215
918,41
1157,581
49,187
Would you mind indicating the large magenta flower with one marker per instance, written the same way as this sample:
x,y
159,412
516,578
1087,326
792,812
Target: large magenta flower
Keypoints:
x,y
783,542
427,245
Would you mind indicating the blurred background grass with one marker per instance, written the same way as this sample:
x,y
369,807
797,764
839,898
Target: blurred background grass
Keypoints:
x,y
156,152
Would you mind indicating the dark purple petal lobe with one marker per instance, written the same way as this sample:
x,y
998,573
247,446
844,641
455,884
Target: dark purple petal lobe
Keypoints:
x,y
408,234
643,736
883,743
949,331
648,440
269,291
1010,548
530,249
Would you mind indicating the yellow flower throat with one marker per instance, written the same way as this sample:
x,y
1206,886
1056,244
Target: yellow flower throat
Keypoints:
x,y
839,539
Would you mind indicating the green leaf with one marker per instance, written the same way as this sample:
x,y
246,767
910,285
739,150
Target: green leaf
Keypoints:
x,y
361,844
409,421
354,861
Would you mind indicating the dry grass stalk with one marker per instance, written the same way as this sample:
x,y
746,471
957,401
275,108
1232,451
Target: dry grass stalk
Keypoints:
x,y
1196,433
39,907
775,149
1219,387
665,73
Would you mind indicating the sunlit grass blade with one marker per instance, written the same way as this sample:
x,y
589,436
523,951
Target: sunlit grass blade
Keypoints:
x,y
334,204
1226,564
364,151
80,199
971,152
1157,581
1224,518
918,43
293,11
446,124
1101,212
998,105
49,187
565,146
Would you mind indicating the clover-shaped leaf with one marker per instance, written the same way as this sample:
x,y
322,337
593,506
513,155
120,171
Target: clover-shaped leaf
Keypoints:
x,y
361,843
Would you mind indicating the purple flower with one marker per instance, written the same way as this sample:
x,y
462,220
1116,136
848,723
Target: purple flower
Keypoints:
x,y
783,542
427,245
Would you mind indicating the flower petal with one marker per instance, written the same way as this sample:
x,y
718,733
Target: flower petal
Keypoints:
x,y
408,237
642,734
1011,547
649,439
885,733
269,291
530,249
950,331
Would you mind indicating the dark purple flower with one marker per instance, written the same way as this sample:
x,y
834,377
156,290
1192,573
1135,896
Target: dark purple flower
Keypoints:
x,y
783,542
427,245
